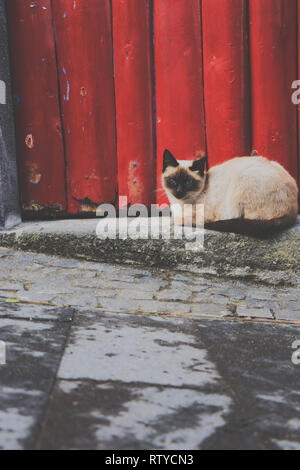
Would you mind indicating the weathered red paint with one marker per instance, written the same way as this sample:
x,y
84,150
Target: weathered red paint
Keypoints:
x,y
85,63
273,25
38,124
132,26
84,71
179,85
226,83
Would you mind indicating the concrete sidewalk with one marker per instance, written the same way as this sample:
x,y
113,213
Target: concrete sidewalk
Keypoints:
x,y
276,259
101,356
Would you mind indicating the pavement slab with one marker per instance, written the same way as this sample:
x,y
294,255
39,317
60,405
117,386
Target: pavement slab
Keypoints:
x,y
147,383
103,356
33,353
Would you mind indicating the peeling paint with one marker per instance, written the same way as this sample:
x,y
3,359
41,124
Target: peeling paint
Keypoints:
x,y
135,185
89,207
36,178
34,207
128,49
29,141
33,174
83,91
67,96
86,205
276,137
86,191
200,153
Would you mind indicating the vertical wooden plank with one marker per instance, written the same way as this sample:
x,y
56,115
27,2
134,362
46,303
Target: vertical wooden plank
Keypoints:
x,y
226,83
179,85
134,106
38,124
273,69
85,58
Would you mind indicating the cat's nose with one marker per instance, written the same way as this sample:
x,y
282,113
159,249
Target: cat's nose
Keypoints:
x,y
179,192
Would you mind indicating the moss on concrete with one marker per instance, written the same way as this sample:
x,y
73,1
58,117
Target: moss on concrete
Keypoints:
x,y
224,253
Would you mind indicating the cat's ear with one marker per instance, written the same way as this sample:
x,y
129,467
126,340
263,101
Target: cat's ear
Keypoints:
x,y
169,160
199,165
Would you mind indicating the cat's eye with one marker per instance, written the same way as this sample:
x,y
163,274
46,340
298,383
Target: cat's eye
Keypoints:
x,y
171,182
189,182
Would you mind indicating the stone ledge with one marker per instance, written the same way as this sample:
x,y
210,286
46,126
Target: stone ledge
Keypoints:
x,y
274,260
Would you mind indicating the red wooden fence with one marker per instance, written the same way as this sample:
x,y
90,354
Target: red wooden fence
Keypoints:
x,y
85,67
179,85
273,46
132,26
38,123
226,79
101,88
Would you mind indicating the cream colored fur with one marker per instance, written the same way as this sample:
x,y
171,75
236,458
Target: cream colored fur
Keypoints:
x,y
244,188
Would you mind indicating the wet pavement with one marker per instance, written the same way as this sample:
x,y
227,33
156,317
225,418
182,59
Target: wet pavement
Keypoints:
x,y
105,357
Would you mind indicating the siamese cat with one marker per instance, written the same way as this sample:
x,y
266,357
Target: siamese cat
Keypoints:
x,y
245,194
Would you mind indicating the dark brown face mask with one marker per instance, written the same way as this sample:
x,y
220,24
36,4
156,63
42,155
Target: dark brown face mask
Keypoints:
x,y
181,182
200,165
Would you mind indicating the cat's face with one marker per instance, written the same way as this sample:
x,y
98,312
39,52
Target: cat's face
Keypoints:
x,y
184,181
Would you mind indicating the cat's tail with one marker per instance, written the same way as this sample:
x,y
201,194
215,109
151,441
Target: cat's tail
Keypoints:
x,y
256,228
